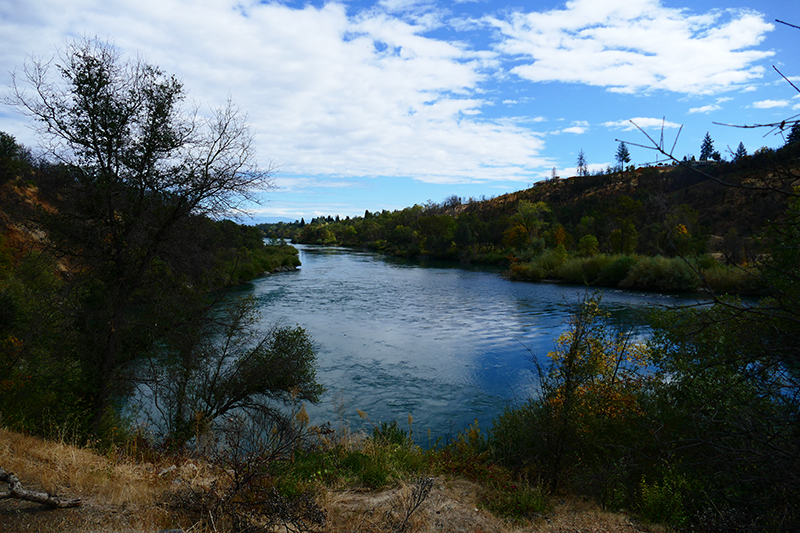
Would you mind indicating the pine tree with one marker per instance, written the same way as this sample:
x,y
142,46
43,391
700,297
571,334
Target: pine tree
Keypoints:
x,y
623,155
707,148
794,134
741,152
583,169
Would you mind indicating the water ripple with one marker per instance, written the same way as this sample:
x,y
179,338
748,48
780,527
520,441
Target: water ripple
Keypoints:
x,y
444,344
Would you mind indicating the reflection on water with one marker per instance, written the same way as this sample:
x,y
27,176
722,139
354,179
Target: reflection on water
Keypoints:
x,y
445,344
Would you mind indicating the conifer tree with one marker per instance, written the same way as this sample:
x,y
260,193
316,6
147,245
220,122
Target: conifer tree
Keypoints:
x,y
581,164
623,156
707,148
794,134
741,152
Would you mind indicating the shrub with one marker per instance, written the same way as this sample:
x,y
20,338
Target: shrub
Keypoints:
x,y
661,274
515,500
585,270
662,503
613,274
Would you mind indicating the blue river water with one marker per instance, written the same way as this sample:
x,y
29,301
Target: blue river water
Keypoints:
x,y
435,340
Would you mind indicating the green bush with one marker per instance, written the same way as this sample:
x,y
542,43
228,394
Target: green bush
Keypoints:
x,y
662,503
613,274
515,500
584,270
661,274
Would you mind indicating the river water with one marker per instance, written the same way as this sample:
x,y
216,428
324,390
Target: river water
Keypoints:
x,y
441,342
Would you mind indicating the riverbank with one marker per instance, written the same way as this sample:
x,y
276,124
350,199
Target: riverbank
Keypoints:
x,y
129,490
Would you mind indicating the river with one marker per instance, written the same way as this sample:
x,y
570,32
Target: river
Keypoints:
x,y
445,343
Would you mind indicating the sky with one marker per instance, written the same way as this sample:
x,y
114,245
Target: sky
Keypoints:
x,y
366,105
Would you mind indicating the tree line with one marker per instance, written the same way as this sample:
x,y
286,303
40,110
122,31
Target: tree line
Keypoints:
x,y
587,229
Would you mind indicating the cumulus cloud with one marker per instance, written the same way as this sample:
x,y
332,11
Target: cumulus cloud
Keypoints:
x,y
645,123
631,46
336,90
328,92
705,109
770,104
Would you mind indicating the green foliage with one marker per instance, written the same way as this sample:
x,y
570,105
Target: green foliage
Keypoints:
x,y
625,239
665,211
706,148
613,274
794,134
375,464
515,500
588,245
14,158
221,362
584,270
623,155
661,274
589,398
663,503
741,152
130,219
390,433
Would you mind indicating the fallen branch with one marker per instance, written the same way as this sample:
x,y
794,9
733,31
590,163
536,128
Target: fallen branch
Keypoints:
x,y
15,490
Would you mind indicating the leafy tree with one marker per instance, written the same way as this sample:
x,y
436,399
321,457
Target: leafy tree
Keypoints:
x,y
138,171
224,363
706,148
14,158
588,245
436,233
625,239
531,216
589,392
623,156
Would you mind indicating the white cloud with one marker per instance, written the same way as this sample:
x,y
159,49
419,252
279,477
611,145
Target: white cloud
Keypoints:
x,y
646,123
770,104
326,91
705,109
630,46
291,184
574,129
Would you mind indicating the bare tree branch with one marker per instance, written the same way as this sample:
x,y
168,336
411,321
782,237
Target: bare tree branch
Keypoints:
x,y
16,490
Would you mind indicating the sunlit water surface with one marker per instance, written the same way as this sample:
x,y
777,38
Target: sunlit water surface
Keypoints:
x,y
441,342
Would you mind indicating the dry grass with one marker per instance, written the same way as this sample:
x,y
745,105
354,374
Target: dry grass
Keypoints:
x,y
63,469
453,507
123,496
119,495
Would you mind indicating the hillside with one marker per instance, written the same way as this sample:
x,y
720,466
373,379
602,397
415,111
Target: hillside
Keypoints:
x,y
629,229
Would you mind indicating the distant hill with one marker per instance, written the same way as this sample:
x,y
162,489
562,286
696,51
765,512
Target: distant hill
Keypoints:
x,y
710,200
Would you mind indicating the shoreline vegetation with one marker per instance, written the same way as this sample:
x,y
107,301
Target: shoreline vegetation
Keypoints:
x,y
113,264
669,228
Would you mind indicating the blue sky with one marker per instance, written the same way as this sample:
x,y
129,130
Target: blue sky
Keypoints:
x,y
382,105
